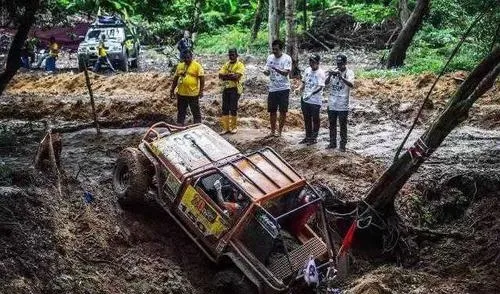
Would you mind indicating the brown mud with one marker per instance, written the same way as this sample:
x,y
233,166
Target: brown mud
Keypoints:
x,y
54,242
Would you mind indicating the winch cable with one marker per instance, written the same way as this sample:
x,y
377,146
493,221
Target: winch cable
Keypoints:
x,y
455,50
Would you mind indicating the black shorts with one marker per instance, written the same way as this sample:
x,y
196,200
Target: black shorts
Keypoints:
x,y
278,100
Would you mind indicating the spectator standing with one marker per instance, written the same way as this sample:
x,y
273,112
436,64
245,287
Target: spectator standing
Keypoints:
x,y
231,75
313,83
278,67
342,80
185,44
102,55
189,81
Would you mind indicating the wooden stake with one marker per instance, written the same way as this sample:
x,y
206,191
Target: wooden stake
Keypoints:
x,y
87,81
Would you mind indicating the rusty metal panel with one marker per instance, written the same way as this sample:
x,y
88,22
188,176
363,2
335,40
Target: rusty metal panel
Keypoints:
x,y
284,167
261,174
270,170
192,148
239,178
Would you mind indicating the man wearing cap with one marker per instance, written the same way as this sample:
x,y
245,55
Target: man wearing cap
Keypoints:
x,y
231,75
189,81
342,80
278,66
313,83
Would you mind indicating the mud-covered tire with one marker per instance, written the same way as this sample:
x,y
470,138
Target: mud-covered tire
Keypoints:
x,y
124,63
131,176
135,63
231,281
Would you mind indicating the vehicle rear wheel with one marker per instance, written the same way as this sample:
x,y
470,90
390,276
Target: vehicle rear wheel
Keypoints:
x,y
230,281
132,176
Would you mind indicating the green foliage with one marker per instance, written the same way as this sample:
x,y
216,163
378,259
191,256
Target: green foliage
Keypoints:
x,y
371,13
233,37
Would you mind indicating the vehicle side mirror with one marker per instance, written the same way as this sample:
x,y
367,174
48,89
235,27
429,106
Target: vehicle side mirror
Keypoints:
x,y
81,38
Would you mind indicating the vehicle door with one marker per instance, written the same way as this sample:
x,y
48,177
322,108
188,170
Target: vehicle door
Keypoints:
x,y
201,210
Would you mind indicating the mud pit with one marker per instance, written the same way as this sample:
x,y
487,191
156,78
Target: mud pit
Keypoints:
x,y
54,242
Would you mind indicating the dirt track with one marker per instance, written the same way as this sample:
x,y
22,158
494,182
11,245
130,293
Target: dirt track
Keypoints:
x,y
55,243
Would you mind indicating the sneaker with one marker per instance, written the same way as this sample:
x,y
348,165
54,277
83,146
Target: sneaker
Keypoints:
x,y
271,134
304,141
342,149
331,146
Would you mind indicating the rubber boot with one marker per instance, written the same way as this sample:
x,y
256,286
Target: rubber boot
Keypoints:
x,y
233,124
224,121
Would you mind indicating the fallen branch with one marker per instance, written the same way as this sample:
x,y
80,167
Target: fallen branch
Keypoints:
x,y
319,42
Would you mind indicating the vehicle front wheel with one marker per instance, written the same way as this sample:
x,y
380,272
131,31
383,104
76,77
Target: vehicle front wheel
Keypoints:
x,y
230,281
135,63
132,176
124,62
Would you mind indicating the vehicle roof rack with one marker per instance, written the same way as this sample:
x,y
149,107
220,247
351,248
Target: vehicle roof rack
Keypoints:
x,y
108,21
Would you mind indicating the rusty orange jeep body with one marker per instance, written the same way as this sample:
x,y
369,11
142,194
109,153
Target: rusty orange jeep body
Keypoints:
x,y
253,213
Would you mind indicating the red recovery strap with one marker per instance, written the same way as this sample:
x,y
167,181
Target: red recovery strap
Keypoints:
x,y
346,244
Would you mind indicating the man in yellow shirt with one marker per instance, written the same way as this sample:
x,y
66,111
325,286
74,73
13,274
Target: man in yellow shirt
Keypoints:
x,y
102,56
189,81
231,75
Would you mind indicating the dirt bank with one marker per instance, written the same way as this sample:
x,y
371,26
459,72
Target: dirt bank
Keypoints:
x,y
55,242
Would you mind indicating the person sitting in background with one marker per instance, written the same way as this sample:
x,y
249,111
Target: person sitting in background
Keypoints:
x,y
50,56
102,56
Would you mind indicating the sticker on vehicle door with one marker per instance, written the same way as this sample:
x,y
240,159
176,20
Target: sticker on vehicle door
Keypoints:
x,y
201,213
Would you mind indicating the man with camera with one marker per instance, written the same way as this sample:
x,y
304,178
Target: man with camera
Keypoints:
x,y
342,80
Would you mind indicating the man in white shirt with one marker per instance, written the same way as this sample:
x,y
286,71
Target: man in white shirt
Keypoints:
x,y
278,66
313,83
342,80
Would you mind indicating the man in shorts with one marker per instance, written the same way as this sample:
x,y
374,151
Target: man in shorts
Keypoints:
x,y
278,67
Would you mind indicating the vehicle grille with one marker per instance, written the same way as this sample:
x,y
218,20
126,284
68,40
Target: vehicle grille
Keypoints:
x,y
298,258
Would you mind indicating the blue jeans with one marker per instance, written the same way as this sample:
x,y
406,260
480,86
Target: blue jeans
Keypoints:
x,y
101,60
50,63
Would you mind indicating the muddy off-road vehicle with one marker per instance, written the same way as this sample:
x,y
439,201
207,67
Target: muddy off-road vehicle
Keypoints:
x,y
121,41
252,214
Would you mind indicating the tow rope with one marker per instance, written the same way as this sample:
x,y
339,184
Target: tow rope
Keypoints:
x,y
419,150
455,50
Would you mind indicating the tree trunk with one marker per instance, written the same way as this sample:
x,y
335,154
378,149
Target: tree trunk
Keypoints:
x,y
273,22
291,40
14,56
304,13
403,12
382,194
257,20
196,19
398,52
